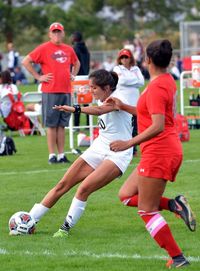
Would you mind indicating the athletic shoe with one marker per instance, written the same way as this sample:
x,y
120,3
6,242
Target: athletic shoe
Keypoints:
x,y
177,262
53,160
61,234
63,160
14,233
184,210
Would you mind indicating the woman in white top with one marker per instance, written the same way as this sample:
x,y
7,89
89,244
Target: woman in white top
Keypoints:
x,y
98,165
130,80
6,87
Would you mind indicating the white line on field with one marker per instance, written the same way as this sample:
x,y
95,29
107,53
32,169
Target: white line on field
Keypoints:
x,y
64,169
91,255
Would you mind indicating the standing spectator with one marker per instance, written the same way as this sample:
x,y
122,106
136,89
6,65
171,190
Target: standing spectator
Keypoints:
x,y
138,51
13,58
84,57
109,64
56,59
179,63
130,80
161,154
1,57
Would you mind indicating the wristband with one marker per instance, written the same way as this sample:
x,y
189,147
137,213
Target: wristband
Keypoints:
x,y
77,108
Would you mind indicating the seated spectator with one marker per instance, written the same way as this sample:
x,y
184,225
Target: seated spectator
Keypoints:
x,y
19,77
6,87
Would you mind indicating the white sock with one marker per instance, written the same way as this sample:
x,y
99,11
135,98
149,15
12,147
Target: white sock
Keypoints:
x,y
51,155
75,211
60,156
37,211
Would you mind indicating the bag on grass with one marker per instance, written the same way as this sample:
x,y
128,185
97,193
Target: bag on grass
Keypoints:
x,y
17,120
7,146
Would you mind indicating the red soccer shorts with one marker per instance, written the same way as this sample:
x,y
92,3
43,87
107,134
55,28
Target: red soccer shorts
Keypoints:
x,y
160,167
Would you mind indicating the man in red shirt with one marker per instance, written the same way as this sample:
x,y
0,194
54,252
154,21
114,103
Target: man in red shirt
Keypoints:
x,y
59,65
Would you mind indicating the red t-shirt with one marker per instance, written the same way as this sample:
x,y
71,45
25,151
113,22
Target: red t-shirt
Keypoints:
x,y
159,97
55,59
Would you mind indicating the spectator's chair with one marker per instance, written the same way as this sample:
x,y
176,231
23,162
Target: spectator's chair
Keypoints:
x,y
34,97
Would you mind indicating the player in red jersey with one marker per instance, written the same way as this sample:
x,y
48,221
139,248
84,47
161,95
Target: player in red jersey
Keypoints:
x,y
59,64
161,153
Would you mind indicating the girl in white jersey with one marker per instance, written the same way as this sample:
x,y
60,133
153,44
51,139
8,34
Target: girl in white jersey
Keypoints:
x,y
98,165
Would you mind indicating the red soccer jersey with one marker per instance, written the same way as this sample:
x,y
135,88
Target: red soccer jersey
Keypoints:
x,y
55,59
159,97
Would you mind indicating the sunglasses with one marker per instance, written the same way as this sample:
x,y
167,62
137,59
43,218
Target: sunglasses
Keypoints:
x,y
126,57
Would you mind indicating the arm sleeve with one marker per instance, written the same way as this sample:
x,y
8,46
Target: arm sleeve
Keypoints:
x,y
36,55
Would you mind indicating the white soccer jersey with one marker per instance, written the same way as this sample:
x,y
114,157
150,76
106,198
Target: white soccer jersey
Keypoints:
x,y
116,125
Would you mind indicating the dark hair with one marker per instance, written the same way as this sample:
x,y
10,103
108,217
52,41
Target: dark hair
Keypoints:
x,y
160,52
77,36
6,77
132,59
103,78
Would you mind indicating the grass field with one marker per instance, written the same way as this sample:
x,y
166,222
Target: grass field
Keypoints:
x,y
108,237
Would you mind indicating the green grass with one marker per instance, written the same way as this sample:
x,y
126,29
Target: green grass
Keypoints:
x,y
108,237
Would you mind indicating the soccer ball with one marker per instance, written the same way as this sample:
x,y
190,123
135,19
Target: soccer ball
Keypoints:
x,y
21,223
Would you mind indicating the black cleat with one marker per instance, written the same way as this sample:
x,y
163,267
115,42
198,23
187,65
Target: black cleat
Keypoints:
x,y
183,209
177,262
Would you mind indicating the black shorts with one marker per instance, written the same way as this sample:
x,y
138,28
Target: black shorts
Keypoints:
x,y
51,117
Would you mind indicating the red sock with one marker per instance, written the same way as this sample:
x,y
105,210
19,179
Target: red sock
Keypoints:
x,y
160,231
133,202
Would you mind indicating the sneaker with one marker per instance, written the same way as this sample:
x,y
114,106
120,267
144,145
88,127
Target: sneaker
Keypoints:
x,y
63,160
53,160
177,262
61,234
184,210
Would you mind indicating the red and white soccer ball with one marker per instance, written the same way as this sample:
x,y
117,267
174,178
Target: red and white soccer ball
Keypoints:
x,y
21,223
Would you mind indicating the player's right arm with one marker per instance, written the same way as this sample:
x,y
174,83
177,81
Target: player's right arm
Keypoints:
x,y
27,63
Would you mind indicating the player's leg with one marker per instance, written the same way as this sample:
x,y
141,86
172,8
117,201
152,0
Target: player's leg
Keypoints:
x,y
63,122
150,193
51,143
128,195
75,174
103,174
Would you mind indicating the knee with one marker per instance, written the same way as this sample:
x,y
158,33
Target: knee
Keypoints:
x,y
83,192
60,188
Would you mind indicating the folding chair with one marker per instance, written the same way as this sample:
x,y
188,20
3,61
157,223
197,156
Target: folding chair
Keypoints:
x,y
34,97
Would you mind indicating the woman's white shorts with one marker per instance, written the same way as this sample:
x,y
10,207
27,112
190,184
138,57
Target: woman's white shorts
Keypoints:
x,y
100,151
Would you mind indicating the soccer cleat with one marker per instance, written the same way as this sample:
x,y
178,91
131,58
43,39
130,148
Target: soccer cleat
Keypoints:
x,y
53,160
177,262
63,160
61,234
183,209
14,233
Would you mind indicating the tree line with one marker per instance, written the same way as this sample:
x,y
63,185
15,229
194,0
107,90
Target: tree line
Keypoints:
x,y
104,23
